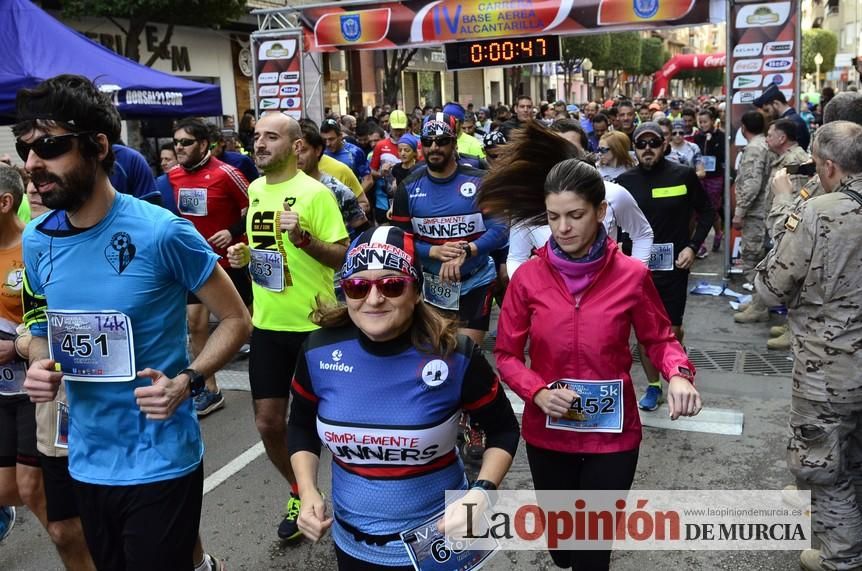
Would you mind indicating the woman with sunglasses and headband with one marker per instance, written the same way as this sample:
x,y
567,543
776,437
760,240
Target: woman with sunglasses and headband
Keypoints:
x,y
382,386
575,304
614,156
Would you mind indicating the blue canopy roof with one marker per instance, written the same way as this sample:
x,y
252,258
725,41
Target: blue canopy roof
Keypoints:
x,y
34,47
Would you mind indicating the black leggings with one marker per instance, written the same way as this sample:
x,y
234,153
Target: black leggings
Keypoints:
x,y
553,470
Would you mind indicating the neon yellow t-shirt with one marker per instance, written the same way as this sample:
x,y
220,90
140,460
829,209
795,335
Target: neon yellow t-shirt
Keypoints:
x,y
304,278
342,172
470,145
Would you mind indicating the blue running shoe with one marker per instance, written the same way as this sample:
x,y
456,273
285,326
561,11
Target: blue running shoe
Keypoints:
x,y
651,399
207,402
7,521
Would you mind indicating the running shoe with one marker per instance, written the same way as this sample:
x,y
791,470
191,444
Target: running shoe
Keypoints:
x,y
474,444
702,252
651,399
7,521
716,241
207,402
288,529
216,564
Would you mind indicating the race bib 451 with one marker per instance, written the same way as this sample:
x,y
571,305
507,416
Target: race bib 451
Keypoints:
x,y
92,346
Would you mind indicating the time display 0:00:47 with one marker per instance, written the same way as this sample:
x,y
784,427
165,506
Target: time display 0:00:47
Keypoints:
x,y
507,51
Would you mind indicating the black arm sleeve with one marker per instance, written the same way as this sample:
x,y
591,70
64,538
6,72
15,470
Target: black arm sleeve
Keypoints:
x,y
238,229
303,412
484,398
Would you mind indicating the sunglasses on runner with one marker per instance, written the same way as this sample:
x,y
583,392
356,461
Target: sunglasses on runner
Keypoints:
x,y
604,150
184,142
442,141
679,133
651,143
47,147
358,288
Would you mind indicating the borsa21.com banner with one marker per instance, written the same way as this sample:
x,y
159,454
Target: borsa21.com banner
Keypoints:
x,y
626,520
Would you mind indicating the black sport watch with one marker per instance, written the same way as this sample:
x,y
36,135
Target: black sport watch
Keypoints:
x,y
197,381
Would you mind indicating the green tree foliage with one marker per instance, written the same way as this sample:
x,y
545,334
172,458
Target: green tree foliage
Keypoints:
x,y
709,77
653,57
624,53
819,41
594,47
139,13
575,49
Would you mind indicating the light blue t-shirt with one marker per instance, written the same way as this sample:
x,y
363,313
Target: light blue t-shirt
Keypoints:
x,y
140,260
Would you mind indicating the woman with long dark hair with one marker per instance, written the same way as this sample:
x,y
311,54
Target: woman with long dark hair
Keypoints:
x,y
576,303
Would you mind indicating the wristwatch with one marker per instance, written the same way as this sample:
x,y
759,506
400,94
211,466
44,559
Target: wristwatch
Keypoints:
x,y
488,488
197,381
468,250
486,485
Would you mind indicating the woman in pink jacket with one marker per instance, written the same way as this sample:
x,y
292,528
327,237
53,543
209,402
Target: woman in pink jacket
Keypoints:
x,y
576,303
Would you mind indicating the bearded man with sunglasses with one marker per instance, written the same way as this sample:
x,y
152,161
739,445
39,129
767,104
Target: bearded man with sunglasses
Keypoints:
x,y
438,204
105,284
213,196
668,194
296,240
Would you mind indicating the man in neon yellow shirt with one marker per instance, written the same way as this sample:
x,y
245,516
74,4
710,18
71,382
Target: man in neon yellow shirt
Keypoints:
x,y
296,237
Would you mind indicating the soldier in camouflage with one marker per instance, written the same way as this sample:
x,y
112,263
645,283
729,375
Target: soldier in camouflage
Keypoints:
x,y
751,178
781,140
846,106
816,269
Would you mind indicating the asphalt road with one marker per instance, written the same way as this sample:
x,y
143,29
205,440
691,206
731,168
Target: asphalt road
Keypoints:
x,y
240,514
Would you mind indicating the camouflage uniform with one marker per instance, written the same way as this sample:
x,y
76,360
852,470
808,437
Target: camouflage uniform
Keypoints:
x,y
785,203
795,155
816,269
751,179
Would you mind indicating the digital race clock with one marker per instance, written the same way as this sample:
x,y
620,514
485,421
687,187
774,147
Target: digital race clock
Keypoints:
x,y
491,53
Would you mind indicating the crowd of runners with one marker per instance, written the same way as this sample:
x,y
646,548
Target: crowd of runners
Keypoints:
x,y
356,262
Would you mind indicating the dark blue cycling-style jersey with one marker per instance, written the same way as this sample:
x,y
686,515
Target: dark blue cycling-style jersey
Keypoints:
x,y
438,210
389,415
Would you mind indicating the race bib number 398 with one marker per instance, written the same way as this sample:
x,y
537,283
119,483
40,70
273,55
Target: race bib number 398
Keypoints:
x,y
92,346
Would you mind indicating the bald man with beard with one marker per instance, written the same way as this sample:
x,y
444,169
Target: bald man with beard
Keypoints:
x,y
296,240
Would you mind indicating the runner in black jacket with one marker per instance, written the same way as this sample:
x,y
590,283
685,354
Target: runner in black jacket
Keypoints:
x,y
668,194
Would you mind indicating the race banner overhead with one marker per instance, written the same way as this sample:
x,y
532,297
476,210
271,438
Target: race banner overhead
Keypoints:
x,y
413,23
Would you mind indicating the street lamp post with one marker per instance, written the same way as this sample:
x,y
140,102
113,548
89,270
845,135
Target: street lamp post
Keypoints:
x,y
587,67
818,61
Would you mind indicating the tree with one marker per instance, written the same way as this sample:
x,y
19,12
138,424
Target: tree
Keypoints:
x,y
396,61
577,48
139,13
624,55
653,57
819,41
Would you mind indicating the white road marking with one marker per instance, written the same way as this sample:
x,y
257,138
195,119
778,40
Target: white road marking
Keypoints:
x,y
221,475
720,421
